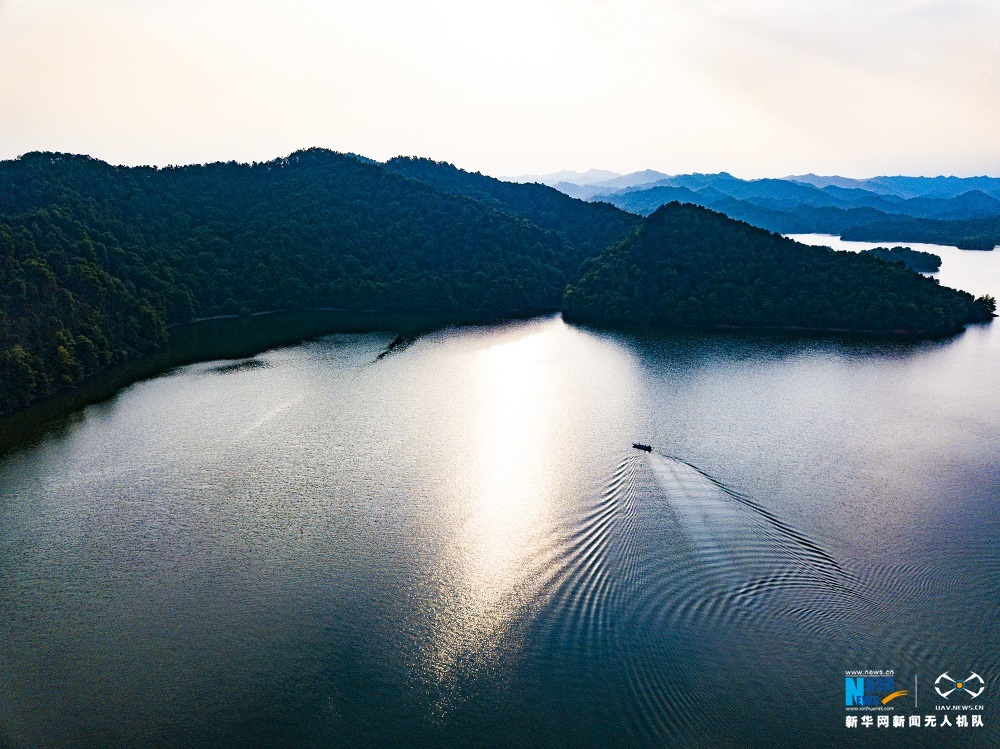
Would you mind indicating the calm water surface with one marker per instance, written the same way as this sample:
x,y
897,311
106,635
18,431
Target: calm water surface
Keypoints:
x,y
455,545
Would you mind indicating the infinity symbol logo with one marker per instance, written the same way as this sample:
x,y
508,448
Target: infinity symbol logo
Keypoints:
x,y
963,685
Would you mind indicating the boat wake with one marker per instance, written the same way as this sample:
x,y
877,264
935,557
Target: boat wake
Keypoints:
x,y
669,560
744,561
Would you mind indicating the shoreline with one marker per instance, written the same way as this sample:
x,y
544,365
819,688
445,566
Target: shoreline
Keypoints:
x,y
222,337
233,337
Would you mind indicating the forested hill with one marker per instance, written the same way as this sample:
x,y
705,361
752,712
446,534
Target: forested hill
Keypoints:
x,y
589,228
691,266
96,260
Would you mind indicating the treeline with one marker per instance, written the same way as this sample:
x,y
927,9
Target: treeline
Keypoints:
x,y
691,266
96,260
588,228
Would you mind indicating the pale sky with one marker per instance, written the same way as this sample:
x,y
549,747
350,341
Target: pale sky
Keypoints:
x,y
754,87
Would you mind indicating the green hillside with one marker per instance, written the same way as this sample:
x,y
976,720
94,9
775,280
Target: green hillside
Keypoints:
x,y
691,266
588,228
96,261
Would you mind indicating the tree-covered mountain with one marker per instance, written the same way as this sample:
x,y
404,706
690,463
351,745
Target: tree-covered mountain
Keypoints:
x,y
889,188
907,187
97,260
72,301
588,228
691,266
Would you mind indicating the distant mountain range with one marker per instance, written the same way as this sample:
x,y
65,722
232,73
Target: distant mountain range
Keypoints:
x,y
961,211
591,176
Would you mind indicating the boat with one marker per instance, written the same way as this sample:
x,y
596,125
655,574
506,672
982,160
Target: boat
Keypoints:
x,y
640,446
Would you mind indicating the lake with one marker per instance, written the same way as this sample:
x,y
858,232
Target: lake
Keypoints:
x,y
454,544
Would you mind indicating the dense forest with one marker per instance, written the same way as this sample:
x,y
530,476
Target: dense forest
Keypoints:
x,y
97,262
923,262
691,266
588,228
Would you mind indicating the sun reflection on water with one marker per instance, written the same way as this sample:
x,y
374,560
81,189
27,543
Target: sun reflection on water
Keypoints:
x,y
506,495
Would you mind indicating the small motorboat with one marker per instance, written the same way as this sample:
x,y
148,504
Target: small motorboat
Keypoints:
x,y
640,446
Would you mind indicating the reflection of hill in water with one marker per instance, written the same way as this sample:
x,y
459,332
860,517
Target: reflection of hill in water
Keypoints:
x,y
687,348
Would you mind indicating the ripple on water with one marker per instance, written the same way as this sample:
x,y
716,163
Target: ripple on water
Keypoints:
x,y
664,550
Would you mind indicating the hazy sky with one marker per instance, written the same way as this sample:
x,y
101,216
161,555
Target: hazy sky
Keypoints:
x,y
755,87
